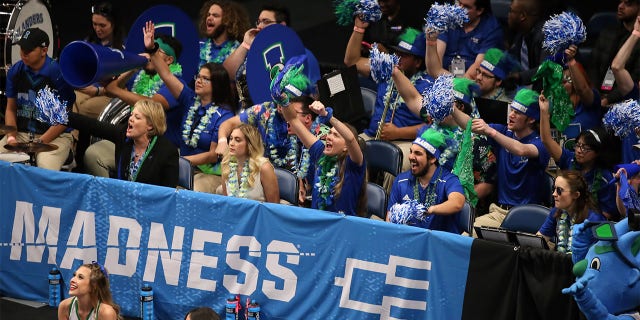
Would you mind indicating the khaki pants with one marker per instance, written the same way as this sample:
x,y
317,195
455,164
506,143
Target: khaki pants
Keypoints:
x,y
99,159
208,183
90,106
493,218
52,160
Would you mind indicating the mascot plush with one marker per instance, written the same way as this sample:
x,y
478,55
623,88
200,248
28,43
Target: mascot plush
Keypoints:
x,y
608,278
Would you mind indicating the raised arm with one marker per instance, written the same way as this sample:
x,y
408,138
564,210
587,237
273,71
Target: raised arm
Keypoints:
x,y
223,133
307,138
433,58
236,58
174,85
622,75
412,98
460,118
514,146
353,147
551,145
578,77
352,53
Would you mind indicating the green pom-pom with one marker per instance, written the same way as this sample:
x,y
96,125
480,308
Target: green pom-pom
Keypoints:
x,y
344,10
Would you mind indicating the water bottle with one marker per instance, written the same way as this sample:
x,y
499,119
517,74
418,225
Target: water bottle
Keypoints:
x,y
146,302
253,311
232,308
54,287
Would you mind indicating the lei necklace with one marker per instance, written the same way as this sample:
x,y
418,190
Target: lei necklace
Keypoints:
x,y
325,181
221,55
191,135
564,232
235,189
430,195
397,99
147,85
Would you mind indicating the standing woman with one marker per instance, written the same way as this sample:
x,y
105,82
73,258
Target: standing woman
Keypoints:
x,y
589,156
339,183
142,152
204,109
246,173
90,296
573,205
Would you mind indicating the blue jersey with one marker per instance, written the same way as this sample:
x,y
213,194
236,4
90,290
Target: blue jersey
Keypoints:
x,y
596,178
486,35
209,134
520,178
402,117
350,193
445,183
586,117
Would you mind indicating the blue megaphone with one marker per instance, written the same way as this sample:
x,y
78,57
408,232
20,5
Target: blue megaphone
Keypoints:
x,y
83,63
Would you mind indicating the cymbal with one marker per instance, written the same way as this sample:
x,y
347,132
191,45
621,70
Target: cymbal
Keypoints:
x,y
31,147
7,129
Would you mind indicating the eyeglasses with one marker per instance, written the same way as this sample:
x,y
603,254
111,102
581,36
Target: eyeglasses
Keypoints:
x,y
484,74
266,22
558,190
582,147
204,79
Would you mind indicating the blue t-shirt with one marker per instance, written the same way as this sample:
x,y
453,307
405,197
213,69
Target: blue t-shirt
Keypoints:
x,y
549,226
586,117
174,115
606,193
486,35
350,194
520,178
445,184
186,100
402,117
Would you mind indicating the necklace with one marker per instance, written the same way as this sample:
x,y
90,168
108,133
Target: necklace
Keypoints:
x,y
325,180
191,132
220,55
430,194
238,187
147,85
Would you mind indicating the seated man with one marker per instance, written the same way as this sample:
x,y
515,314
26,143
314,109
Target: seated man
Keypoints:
x,y
429,184
461,50
399,125
34,72
521,156
99,160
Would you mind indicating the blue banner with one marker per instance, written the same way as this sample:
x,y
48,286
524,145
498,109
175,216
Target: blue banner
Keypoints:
x,y
196,249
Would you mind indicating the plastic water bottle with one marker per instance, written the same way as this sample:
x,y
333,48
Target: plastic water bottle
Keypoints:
x,y
232,308
54,287
146,302
253,311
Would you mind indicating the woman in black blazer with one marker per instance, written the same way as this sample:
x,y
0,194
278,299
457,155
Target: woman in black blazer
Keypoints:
x,y
142,153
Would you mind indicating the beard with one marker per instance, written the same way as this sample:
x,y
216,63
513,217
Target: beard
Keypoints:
x,y
218,31
421,172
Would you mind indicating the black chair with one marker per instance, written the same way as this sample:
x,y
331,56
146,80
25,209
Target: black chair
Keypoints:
x,y
466,218
599,22
382,156
525,218
376,201
288,185
185,173
369,100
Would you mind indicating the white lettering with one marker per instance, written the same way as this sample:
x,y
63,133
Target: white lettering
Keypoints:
x,y
85,224
112,263
24,220
236,263
170,260
200,260
288,290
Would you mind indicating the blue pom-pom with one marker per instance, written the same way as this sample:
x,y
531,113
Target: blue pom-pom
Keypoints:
x,y
411,210
279,85
50,109
438,100
622,118
563,30
369,10
381,64
442,17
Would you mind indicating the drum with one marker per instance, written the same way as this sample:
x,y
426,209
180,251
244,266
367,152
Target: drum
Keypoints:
x,y
116,112
24,15
15,157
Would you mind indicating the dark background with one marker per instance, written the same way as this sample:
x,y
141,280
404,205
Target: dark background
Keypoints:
x,y
313,20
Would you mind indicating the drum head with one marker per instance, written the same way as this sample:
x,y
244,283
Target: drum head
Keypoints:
x,y
14,157
25,15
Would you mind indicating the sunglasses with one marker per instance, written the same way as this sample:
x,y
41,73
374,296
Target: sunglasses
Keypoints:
x,y
558,190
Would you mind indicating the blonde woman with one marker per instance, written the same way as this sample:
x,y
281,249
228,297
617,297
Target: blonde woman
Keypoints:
x,y
90,295
246,173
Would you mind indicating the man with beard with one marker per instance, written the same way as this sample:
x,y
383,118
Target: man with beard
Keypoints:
x,y
222,25
608,44
99,157
438,192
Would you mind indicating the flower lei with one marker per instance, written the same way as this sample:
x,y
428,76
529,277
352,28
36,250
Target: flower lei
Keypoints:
x,y
191,135
325,181
235,189
564,232
147,85
223,53
397,99
277,139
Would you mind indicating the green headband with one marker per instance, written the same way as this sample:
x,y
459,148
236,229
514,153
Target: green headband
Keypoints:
x,y
166,48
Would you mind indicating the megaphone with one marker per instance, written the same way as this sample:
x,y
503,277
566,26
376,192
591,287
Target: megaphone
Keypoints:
x,y
83,63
